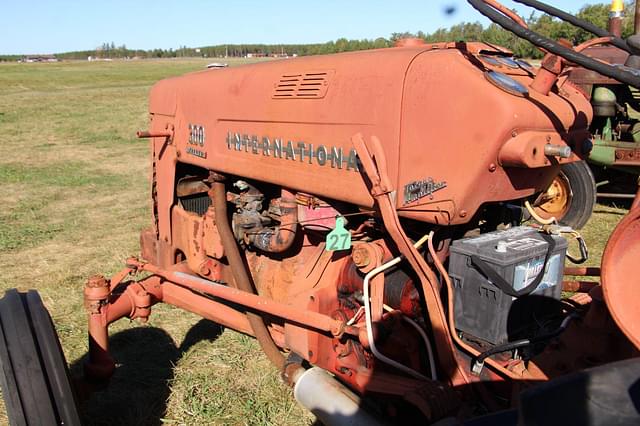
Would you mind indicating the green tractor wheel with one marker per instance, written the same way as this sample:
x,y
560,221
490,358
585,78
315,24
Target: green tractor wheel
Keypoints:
x,y
571,196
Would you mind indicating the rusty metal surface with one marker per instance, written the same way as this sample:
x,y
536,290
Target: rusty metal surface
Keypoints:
x,y
158,134
366,93
281,238
609,54
579,286
586,271
627,157
593,340
300,316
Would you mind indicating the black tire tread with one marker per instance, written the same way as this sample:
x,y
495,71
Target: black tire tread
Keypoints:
x,y
34,375
583,190
53,358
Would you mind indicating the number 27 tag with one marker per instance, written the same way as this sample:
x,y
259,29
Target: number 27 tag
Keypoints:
x,y
339,238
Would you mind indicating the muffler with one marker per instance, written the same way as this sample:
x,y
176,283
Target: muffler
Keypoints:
x,y
329,400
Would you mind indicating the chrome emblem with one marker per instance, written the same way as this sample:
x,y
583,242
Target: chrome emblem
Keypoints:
x,y
422,188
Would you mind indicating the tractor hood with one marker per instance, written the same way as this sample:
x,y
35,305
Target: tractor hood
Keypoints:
x,y
452,119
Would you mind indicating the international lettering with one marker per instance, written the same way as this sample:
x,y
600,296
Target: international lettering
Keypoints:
x,y
295,151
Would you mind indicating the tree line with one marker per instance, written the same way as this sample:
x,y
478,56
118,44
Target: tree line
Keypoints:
x,y
467,31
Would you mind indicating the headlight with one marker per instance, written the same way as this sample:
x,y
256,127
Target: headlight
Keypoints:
x,y
506,83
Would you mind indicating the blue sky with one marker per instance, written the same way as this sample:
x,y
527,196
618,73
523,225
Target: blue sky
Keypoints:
x,y
41,26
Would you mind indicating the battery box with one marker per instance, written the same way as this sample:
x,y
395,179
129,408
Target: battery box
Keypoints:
x,y
494,276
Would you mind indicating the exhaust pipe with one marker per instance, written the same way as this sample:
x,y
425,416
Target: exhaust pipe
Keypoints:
x,y
329,400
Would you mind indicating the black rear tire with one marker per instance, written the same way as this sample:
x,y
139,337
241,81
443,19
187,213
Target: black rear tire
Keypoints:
x,y
33,371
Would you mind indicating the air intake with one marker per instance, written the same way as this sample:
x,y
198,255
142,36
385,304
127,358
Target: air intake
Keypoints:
x,y
310,85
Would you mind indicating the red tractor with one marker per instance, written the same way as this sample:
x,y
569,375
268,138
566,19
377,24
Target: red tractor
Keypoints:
x,y
361,215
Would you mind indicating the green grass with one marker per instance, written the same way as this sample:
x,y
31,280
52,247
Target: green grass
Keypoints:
x,y
74,198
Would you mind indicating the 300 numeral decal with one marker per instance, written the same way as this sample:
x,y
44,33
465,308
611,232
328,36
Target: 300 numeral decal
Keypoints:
x,y
196,135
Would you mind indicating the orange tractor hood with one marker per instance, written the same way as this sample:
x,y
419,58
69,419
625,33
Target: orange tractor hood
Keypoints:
x,y
452,139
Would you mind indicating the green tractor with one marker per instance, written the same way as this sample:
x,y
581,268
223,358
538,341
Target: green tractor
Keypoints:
x,y
614,161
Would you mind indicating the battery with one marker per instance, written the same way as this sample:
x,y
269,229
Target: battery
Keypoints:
x,y
504,282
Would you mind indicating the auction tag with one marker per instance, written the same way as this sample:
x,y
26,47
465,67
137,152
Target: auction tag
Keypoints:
x,y
339,238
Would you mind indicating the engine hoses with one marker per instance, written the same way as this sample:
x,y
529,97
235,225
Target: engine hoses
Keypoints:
x,y
509,346
369,325
537,217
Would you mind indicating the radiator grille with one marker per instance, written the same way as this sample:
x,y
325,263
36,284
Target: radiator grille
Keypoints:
x,y
198,203
304,85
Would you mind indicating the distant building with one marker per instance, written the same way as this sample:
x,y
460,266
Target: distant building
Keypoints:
x,y
39,58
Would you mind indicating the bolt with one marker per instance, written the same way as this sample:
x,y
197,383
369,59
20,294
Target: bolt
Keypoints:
x,y
492,167
463,213
346,371
178,153
360,257
514,134
204,270
548,138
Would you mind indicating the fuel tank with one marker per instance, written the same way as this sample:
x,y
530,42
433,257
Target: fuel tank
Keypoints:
x,y
457,122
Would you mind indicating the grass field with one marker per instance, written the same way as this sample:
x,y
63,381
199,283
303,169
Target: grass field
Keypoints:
x,y
74,198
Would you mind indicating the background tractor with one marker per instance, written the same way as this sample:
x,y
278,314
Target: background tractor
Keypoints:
x,y
612,167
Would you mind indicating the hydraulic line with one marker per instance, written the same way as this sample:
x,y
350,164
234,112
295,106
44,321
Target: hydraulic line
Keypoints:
x,y
567,17
425,339
551,46
509,346
368,322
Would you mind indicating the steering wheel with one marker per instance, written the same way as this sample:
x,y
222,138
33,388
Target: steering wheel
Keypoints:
x,y
496,12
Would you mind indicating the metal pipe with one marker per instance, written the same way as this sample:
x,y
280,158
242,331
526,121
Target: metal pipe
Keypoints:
x,y
105,308
369,325
553,150
616,195
206,308
310,319
585,271
615,17
507,12
147,134
101,364
368,322
329,400
281,238
240,274
579,286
